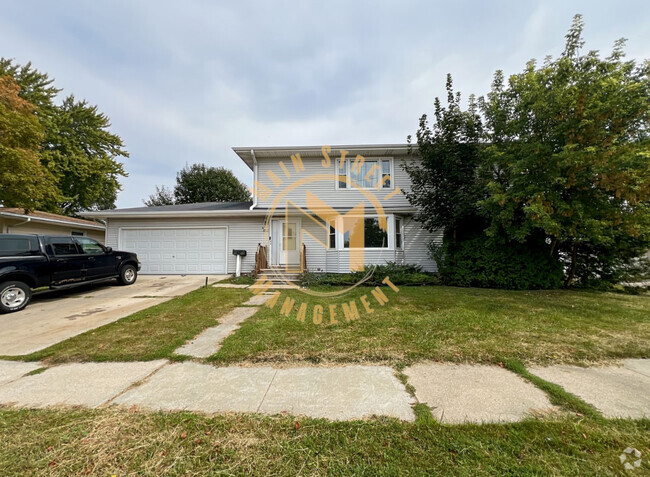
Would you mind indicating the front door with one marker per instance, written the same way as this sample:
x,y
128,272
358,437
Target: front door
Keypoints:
x,y
286,246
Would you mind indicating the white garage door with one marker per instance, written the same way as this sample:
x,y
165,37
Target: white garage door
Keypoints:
x,y
179,251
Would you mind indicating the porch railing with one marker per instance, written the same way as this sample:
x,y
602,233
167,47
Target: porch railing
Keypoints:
x,y
303,258
261,260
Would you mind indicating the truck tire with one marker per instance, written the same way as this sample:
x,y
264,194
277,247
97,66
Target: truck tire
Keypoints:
x,y
128,275
14,296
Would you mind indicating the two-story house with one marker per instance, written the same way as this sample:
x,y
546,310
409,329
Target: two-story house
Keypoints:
x,y
320,208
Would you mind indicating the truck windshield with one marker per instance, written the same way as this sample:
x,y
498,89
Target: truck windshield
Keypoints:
x,y
18,246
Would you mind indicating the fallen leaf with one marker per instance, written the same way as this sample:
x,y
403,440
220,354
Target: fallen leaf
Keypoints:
x,y
52,463
183,434
297,425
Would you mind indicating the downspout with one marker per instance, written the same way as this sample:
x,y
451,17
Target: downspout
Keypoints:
x,y
26,221
254,180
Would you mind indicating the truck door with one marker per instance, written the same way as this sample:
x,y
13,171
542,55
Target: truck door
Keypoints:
x,y
68,263
100,263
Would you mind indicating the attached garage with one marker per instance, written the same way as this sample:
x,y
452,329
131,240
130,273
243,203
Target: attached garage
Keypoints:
x,y
186,250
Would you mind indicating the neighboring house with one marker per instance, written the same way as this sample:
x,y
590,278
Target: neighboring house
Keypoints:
x,y
16,221
306,210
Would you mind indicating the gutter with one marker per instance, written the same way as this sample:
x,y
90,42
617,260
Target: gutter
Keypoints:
x,y
254,179
53,221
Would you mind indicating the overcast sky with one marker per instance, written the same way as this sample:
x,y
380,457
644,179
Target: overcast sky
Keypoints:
x,y
185,81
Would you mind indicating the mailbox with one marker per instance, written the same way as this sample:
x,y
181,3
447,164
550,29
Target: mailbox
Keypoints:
x,y
241,253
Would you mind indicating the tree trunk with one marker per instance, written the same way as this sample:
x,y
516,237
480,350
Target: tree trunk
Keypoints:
x,y
572,268
553,244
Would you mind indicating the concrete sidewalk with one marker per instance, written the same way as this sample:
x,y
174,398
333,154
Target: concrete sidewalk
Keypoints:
x,y
342,393
455,393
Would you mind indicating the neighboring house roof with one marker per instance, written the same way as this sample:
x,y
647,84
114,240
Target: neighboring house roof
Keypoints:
x,y
46,217
249,154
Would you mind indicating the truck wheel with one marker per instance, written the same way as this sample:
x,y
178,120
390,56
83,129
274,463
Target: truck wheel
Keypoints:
x,y
14,296
128,275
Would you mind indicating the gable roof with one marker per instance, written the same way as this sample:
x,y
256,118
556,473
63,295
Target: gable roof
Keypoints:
x,y
39,216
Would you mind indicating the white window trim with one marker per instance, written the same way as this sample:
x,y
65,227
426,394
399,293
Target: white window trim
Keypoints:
x,y
401,231
348,165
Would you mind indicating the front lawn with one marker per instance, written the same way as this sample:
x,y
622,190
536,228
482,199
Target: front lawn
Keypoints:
x,y
153,333
451,324
116,442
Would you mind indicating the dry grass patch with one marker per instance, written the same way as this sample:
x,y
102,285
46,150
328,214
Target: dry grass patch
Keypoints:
x,y
118,442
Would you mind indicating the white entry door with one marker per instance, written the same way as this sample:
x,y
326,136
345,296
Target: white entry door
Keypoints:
x,y
286,246
181,251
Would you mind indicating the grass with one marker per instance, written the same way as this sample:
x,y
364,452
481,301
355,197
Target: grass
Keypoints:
x,y
117,442
241,280
153,333
451,324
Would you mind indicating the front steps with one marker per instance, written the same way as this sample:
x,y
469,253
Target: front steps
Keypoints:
x,y
279,277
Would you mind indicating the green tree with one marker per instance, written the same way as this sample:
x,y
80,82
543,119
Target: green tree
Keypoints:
x,y
82,153
198,183
25,182
569,157
76,145
163,196
445,188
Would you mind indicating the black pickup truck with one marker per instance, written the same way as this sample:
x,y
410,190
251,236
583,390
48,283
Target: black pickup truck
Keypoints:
x,y
36,261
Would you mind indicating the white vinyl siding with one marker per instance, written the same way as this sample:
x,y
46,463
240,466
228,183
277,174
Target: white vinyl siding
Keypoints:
x,y
322,182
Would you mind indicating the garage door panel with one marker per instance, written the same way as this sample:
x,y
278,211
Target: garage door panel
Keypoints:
x,y
178,251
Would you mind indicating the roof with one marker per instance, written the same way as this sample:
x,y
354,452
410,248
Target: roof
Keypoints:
x,y
249,154
199,208
39,216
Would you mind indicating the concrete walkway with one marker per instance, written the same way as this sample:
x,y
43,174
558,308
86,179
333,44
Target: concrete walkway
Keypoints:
x,y
455,393
341,393
616,391
209,341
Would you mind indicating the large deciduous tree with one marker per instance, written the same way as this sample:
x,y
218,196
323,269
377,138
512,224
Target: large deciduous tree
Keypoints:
x,y
562,164
199,183
569,139
24,181
445,187
76,144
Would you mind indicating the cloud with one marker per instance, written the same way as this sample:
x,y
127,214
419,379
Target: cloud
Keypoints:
x,y
184,82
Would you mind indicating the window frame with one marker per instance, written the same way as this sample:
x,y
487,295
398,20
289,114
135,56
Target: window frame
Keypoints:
x,y
74,242
390,220
348,168
398,228
81,248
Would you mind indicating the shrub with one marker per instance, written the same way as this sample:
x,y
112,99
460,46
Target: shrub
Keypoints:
x,y
488,263
398,274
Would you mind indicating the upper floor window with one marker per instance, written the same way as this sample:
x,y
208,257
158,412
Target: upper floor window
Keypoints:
x,y
365,173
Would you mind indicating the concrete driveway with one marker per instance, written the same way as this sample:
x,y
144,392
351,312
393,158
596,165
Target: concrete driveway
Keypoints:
x,y
55,316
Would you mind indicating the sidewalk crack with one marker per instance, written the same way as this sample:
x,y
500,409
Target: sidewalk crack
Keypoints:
x,y
134,385
267,390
